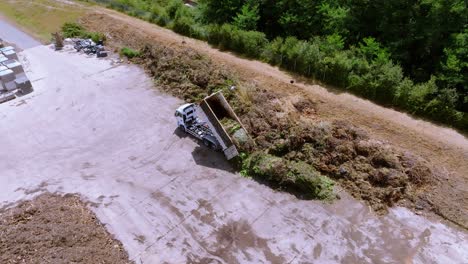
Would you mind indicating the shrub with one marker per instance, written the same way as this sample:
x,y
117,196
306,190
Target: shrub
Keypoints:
x,y
250,43
377,82
336,68
129,53
94,36
213,37
402,93
119,6
272,51
463,122
225,36
183,25
162,19
72,30
173,7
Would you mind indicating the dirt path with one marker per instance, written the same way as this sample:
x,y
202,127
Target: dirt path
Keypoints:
x,y
446,149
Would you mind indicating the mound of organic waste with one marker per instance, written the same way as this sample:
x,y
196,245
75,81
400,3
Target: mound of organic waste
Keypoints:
x,y
56,229
186,74
368,169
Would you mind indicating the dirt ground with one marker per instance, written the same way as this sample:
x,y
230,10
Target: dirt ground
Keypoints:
x,y
415,145
56,229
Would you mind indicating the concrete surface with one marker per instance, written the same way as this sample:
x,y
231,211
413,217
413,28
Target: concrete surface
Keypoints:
x,y
103,131
11,34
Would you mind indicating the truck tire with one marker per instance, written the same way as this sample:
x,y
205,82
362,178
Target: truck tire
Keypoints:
x,y
182,128
209,144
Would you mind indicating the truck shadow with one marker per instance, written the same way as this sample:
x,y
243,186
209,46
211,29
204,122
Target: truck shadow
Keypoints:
x,y
205,156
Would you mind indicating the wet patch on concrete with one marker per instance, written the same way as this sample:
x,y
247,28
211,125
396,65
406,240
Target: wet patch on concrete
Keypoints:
x,y
317,251
88,177
237,237
140,238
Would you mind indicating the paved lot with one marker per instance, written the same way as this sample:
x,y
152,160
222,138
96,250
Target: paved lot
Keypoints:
x,y
103,131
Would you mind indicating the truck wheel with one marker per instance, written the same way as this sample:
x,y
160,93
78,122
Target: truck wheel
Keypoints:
x,y
207,143
182,128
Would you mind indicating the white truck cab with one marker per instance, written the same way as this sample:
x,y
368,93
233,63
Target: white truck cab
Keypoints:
x,y
188,122
185,115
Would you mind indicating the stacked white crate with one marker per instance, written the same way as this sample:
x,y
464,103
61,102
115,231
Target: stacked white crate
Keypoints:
x,y
7,79
10,54
12,75
15,66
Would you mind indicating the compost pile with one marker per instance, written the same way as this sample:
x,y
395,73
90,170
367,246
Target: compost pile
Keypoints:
x,y
56,229
291,152
185,74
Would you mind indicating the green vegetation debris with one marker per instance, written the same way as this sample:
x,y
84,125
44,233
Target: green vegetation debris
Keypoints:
x,y
129,53
74,30
230,125
297,177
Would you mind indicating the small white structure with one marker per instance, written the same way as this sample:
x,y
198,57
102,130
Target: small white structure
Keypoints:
x,y
12,75
10,54
6,49
7,76
23,84
14,65
3,58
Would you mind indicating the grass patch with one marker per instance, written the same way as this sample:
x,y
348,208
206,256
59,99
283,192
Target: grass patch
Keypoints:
x,y
129,53
74,30
41,17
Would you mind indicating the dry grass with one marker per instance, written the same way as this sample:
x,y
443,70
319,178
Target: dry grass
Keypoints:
x,y
246,93
41,17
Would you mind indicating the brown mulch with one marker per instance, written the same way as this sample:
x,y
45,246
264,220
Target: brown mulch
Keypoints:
x,y
56,229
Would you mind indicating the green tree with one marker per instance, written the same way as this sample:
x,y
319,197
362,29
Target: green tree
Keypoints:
x,y
248,17
297,15
373,51
454,74
335,18
220,12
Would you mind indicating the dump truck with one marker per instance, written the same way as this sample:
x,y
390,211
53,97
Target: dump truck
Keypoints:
x,y
203,122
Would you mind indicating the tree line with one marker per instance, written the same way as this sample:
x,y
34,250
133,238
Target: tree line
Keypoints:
x,y
412,55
